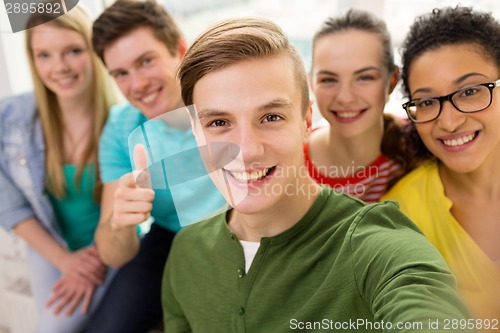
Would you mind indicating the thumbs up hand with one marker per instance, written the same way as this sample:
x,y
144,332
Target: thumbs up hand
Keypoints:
x,y
133,198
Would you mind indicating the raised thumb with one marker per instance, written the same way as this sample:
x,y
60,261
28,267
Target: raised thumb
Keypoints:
x,y
141,172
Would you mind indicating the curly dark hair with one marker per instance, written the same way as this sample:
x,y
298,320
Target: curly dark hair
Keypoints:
x,y
441,27
450,26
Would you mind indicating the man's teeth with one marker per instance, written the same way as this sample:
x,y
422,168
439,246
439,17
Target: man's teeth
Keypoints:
x,y
459,141
150,97
351,114
250,176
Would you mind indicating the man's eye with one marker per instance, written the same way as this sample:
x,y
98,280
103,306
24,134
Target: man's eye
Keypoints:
x,y
119,75
217,123
272,118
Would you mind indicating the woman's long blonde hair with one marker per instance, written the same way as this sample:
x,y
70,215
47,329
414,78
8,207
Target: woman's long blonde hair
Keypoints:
x,y
77,19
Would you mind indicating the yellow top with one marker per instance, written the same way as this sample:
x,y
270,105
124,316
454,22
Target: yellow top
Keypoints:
x,y
421,197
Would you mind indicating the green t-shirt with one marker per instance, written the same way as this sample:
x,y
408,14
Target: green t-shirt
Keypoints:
x,y
77,213
344,267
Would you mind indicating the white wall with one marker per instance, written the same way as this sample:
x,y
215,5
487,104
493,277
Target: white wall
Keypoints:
x,y
16,65
4,79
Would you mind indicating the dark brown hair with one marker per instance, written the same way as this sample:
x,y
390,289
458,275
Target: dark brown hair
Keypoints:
x,y
124,16
356,19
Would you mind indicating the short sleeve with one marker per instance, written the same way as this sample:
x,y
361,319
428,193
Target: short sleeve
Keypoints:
x,y
114,159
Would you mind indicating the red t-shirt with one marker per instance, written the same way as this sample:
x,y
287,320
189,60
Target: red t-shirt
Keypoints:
x,y
368,183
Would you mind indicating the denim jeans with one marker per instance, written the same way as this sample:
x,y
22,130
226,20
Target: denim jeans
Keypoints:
x,y
43,275
132,303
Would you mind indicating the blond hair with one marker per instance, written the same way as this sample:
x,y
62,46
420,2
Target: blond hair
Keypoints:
x,y
49,111
236,40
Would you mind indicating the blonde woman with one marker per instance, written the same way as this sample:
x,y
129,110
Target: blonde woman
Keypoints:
x,y
48,169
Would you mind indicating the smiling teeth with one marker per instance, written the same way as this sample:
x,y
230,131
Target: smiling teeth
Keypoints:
x,y
250,176
459,141
347,114
65,81
149,98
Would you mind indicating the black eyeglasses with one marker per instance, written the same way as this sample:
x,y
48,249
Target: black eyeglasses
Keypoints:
x,y
467,100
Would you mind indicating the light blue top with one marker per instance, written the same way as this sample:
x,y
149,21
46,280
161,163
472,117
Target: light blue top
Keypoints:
x,y
77,213
22,166
174,202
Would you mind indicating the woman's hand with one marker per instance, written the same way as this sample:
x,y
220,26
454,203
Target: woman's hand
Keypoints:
x,y
68,292
85,264
82,271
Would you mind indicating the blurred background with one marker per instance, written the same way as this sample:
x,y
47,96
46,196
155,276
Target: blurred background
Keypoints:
x,y
299,18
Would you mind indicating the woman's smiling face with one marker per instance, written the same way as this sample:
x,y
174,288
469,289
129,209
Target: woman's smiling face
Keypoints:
x,y
462,141
351,81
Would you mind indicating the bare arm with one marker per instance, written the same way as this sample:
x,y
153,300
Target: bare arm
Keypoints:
x,y
124,205
118,245
40,240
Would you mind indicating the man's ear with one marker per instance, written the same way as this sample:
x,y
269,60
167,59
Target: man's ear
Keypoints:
x,y
308,120
310,80
182,47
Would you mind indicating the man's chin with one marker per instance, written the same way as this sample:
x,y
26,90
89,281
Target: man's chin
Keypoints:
x,y
151,112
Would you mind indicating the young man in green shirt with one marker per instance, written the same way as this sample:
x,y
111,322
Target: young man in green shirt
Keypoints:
x,y
290,254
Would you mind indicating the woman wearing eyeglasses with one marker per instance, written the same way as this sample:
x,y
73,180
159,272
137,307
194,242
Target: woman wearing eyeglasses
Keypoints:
x,y
451,71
